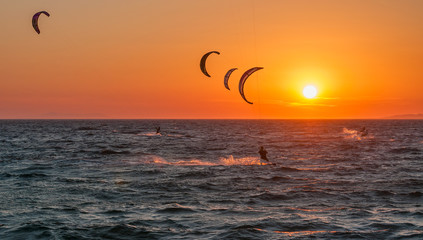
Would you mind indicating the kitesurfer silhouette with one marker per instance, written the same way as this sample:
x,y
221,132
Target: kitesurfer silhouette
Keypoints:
x,y
157,130
363,132
263,154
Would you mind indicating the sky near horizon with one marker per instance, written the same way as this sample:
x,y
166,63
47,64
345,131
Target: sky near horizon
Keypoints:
x,y
140,58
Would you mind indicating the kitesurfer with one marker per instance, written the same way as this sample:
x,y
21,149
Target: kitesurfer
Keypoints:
x,y
363,132
263,154
158,130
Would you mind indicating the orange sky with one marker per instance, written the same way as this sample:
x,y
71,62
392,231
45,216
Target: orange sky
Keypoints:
x,y
140,58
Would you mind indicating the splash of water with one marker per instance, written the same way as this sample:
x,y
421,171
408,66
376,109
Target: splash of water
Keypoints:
x,y
192,162
354,134
229,161
240,161
160,134
150,134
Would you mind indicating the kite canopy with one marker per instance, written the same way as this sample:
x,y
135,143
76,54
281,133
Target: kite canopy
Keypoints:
x,y
244,79
35,20
228,74
203,62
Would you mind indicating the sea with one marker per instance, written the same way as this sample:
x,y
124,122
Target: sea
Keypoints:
x,y
203,179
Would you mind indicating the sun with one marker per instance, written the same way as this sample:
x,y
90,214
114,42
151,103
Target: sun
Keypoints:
x,y
310,91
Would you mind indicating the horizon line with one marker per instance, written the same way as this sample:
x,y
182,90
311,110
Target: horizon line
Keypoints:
x,y
385,118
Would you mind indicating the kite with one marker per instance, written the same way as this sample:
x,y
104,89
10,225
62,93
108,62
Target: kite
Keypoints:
x,y
244,79
203,62
228,74
35,20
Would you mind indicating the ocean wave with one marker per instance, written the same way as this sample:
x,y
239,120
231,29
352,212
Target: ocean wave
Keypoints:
x,y
151,172
348,147
195,174
289,169
409,234
87,128
32,175
210,187
109,152
404,150
411,182
304,192
216,148
115,231
79,180
5,175
114,212
384,193
70,209
241,232
417,214
221,201
270,228
176,209
273,197
124,145
390,226
415,194
31,230
121,182
279,178
135,132
315,169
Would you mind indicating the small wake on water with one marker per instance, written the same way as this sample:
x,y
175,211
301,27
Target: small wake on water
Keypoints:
x,y
161,134
223,161
229,161
192,162
354,134
150,134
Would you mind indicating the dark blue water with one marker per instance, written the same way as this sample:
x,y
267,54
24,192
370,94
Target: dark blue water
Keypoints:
x,y
202,179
